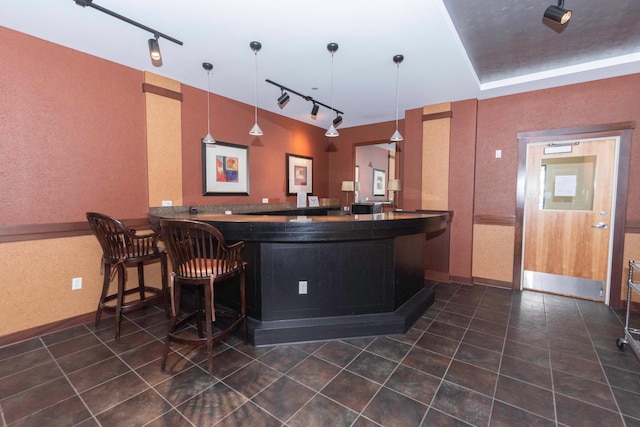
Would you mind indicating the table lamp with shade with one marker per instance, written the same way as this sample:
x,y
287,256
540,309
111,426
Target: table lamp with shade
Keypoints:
x,y
394,185
348,186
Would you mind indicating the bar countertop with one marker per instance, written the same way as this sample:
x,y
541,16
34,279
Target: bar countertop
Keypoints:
x,y
273,228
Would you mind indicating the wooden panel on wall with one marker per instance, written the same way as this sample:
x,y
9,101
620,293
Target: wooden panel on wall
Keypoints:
x,y
631,251
493,252
40,281
164,142
435,159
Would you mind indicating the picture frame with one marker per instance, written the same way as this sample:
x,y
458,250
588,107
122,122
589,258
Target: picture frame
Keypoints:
x,y
225,169
299,174
379,182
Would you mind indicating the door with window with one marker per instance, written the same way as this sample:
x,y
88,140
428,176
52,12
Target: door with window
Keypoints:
x,y
569,199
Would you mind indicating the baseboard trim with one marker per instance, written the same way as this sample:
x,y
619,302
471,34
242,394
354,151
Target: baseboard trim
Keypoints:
x,y
492,282
46,329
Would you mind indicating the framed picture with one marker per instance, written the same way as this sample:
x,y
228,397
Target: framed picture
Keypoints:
x,y
379,182
299,174
225,169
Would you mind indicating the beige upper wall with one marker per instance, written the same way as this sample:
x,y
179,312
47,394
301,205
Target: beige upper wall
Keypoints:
x,y
164,142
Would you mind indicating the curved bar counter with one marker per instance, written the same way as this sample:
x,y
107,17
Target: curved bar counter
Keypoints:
x,y
324,277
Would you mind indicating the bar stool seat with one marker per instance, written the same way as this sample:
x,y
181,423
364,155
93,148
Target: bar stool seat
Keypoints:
x,y
202,261
122,247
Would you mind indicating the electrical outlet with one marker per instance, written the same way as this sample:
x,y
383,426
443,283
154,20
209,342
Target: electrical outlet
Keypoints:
x,y
76,283
302,287
167,203
265,200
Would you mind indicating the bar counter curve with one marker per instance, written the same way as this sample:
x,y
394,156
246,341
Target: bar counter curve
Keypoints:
x,y
325,277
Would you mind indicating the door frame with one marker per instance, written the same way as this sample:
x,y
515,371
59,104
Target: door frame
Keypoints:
x,y
623,131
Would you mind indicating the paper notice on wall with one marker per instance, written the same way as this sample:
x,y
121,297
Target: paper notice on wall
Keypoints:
x,y
565,186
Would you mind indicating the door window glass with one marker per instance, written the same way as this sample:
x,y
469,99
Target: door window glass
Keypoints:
x,y
567,183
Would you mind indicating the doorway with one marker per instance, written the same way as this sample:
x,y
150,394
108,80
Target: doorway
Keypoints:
x,y
569,203
623,131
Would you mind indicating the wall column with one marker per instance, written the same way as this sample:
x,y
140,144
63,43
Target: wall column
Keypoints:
x,y
163,104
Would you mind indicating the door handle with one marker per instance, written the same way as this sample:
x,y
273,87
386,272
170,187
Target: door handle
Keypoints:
x,y
601,225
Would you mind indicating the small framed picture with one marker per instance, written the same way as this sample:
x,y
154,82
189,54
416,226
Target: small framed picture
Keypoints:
x,y
299,174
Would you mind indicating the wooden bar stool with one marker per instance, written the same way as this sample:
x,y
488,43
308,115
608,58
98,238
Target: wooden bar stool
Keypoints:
x,y
201,259
122,248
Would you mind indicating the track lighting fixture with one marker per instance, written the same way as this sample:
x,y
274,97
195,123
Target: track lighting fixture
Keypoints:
x,y
283,99
337,120
332,132
154,47
208,139
316,104
154,52
397,59
558,13
255,130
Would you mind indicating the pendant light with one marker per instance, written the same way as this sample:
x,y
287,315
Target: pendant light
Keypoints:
x,y
208,139
397,137
255,130
332,132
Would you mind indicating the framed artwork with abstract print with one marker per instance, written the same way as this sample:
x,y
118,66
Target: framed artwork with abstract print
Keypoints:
x,y
299,174
225,169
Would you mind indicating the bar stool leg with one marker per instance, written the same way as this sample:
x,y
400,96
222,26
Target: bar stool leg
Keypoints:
x,y
165,284
106,270
120,297
141,281
209,326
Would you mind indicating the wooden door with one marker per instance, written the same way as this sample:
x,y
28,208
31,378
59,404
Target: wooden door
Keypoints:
x,y
568,213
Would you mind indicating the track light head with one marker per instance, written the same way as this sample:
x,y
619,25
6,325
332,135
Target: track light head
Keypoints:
x,y
398,59
332,47
337,120
558,13
314,110
283,99
207,66
154,52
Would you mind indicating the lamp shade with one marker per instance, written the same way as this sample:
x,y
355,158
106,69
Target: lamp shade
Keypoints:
x,y
395,185
347,186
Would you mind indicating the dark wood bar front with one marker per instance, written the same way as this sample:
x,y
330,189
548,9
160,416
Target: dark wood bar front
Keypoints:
x,y
323,277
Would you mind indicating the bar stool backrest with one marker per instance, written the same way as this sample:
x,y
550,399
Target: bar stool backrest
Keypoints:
x,y
198,250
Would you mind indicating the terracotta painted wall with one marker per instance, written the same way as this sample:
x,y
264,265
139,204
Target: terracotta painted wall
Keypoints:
x,y
71,139
500,119
230,122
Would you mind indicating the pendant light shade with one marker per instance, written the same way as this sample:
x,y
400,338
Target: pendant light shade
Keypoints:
x,y
332,132
397,137
208,139
255,130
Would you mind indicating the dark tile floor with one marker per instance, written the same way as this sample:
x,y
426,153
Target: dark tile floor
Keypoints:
x,y
479,356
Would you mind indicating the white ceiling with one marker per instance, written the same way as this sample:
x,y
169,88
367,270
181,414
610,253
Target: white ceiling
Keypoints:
x,y
509,47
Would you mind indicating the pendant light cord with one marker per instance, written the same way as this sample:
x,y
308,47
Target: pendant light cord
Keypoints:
x,y
397,74
332,80
256,89
208,107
